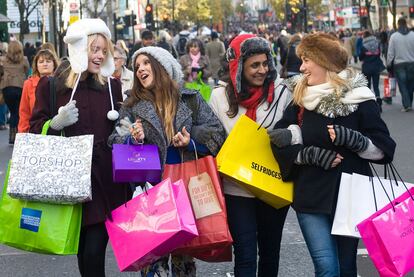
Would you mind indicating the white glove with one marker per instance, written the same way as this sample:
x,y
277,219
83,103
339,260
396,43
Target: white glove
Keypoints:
x,y
67,115
124,128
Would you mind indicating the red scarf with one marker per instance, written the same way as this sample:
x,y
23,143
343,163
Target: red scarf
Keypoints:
x,y
253,101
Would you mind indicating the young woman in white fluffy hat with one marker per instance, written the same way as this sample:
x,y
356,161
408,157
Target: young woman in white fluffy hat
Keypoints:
x,y
86,98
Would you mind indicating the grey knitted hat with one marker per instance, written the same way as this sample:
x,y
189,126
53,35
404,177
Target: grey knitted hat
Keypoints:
x,y
165,58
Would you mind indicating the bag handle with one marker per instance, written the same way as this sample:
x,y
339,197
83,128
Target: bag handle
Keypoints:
x,y
382,185
274,106
394,171
196,156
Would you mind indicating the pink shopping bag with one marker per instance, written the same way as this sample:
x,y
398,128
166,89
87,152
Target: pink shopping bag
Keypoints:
x,y
151,225
388,235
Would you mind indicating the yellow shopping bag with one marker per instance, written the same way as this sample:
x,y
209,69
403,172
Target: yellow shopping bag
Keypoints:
x,y
247,158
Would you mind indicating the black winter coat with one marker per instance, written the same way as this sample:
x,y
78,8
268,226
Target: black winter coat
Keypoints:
x,y
316,189
93,102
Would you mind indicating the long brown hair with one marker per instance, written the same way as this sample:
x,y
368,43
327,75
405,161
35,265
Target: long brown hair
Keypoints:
x,y
163,94
15,52
46,54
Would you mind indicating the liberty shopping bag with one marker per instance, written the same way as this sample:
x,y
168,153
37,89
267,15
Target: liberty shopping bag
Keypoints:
x,y
359,197
39,227
151,225
390,86
203,185
136,163
247,158
53,169
203,88
389,236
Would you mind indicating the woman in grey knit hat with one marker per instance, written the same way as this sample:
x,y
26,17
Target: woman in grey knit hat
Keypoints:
x,y
159,111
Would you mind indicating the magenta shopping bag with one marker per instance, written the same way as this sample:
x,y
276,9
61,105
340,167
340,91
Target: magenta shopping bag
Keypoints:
x,y
389,236
136,163
151,225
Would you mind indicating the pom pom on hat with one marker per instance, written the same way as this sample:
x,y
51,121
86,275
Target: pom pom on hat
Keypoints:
x,y
325,50
77,40
167,61
242,47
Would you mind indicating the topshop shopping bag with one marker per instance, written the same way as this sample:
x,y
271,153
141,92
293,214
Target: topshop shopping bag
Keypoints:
x,y
39,227
136,163
247,158
359,197
203,185
53,169
151,225
389,236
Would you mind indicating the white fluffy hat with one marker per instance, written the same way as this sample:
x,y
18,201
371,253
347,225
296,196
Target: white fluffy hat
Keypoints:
x,y
77,40
171,65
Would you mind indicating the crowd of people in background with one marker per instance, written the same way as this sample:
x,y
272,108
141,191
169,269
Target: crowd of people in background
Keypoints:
x,y
147,77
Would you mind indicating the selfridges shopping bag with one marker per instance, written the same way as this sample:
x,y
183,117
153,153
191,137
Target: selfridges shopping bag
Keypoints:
x,y
203,185
359,197
136,163
247,158
39,227
151,225
389,236
52,169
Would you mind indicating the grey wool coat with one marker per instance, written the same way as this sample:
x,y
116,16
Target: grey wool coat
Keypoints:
x,y
189,103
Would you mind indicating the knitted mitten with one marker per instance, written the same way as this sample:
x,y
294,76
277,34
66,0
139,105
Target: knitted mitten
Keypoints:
x,y
312,155
351,139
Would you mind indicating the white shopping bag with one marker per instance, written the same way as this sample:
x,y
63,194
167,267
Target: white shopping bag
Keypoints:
x,y
359,197
52,169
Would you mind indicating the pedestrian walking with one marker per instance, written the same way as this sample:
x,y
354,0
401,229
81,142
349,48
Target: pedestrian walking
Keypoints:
x,y
45,63
14,68
121,72
340,130
92,111
215,51
289,60
254,86
372,65
400,58
160,111
195,61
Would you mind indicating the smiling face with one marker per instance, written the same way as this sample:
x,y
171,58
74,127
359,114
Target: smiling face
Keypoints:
x,y
255,70
98,52
144,71
45,66
315,74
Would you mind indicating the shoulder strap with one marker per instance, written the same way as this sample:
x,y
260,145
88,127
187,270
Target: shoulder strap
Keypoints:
x,y
52,93
274,106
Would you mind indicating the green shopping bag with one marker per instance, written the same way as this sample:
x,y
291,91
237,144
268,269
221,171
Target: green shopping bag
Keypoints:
x,y
39,227
202,87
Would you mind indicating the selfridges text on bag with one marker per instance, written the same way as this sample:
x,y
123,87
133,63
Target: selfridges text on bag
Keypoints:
x,y
52,169
246,157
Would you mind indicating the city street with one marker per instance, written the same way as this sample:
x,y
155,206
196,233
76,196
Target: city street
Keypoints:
x,y
295,260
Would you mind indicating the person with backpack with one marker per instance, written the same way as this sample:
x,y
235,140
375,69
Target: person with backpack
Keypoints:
x,y
181,42
160,111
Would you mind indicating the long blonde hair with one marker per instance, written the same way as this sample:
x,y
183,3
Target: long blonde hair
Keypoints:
x,y
333,78
15,52
71,79
164,95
